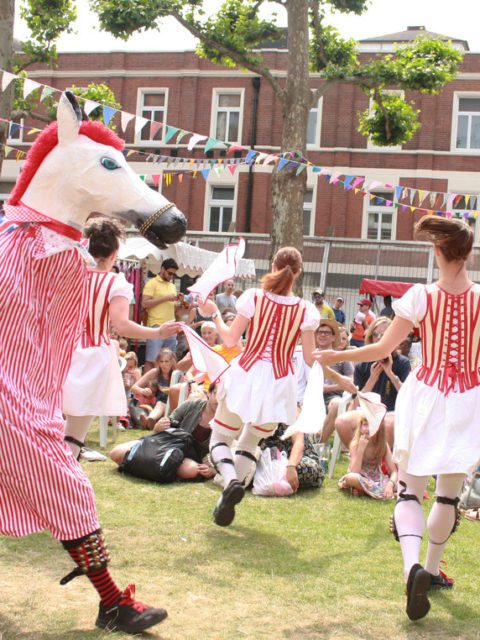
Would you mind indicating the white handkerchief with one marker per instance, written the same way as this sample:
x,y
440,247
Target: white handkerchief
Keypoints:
x,y
222,268
373,409
313,413
204,358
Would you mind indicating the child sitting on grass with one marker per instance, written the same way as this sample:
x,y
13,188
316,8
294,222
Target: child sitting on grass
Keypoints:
x,y
370,457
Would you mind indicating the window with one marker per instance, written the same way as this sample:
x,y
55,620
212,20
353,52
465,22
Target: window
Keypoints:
x,y
464,209
153,106
314,126
227,116
221,208
468,123
308,218
380,217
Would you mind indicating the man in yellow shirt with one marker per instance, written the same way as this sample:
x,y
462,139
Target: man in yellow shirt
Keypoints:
x,y
158,299
325,310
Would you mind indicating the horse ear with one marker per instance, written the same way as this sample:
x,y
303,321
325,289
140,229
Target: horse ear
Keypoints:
x,y
69,116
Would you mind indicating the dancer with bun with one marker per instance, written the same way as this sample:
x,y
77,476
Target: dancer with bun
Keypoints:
x,y
259,389
435,416
94,385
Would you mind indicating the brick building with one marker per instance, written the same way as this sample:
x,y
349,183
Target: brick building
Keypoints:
x,y
192,94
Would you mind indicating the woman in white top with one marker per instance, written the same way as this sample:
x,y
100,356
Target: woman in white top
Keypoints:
x,y
94,385
436,431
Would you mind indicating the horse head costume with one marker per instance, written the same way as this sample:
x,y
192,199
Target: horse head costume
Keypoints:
x,y
73,168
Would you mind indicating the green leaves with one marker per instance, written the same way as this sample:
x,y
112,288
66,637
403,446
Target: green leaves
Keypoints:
x,y
391,120
124,17
330,53
46,20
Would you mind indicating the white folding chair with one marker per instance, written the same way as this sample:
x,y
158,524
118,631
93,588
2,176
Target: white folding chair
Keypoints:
x,y
337,443
174,379
103,430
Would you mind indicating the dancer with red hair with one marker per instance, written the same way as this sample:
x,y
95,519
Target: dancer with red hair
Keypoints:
x,y
259,389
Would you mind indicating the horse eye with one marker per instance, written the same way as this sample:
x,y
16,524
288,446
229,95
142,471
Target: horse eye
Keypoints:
x,y
109,164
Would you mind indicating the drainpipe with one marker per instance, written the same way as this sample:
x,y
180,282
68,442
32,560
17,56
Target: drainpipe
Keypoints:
x,y
252,142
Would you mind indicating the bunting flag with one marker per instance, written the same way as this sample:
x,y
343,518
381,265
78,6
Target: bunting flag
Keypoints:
x,y
211,142
108,114
155,128
89,106
204,358
29,86
221,269
194,140
170,133
125,119
46,91
7,77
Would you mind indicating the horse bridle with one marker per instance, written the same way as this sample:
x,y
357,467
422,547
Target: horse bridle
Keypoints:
x,y
145,226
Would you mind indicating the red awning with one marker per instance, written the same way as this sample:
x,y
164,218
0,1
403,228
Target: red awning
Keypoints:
x,y
384,288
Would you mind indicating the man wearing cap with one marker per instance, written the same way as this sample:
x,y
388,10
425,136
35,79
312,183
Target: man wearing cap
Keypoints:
x,y
325,310
337,310
362,321
327,336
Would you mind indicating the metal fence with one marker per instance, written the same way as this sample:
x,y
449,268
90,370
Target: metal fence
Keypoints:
x,y
338,265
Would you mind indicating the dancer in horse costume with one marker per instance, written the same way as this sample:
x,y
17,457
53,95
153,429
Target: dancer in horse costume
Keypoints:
x,y
74,168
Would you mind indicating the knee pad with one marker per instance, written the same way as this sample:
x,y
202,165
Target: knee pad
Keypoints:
x,y
221,460
402,497
90,553
454,503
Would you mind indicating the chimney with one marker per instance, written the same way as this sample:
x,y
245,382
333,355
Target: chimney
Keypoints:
x,y
417,28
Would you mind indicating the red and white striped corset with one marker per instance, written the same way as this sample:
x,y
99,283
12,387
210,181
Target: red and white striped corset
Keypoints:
x,y
450,333
96,328
273,334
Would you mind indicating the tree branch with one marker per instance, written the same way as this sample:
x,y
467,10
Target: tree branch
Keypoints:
x,y
313,5
21,113
234,55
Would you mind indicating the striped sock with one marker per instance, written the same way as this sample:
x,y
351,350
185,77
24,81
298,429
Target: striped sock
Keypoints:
x,y
102,581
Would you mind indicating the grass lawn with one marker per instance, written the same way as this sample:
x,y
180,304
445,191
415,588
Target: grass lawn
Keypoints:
x,y
320,565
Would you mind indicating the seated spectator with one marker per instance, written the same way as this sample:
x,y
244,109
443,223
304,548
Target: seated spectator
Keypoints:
x,y
131,374
385,378
344,340
327,336
159,377
193,417
304,470
226,299
370,458
361,322
338,311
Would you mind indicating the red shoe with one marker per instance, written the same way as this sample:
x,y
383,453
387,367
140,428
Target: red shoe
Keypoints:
x,y
129,615
442,581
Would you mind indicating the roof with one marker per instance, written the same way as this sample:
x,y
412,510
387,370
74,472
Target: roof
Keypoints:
x,y
411,33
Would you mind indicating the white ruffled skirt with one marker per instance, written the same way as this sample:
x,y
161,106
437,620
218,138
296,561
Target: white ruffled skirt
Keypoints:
x,y
434,433
94,385
256,396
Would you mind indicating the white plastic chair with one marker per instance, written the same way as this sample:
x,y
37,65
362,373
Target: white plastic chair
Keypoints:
x,y
337,443
103,430
175,379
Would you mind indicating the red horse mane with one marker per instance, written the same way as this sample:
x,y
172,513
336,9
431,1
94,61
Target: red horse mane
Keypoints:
x,y
47,140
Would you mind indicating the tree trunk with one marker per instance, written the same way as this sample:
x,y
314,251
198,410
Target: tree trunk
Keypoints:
x,y
7,14
288,188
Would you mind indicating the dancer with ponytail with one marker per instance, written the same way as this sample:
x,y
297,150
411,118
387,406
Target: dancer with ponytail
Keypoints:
x,y
94,385
435,415
259,389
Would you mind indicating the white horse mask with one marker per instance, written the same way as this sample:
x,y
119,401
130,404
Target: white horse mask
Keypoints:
x,y
81,176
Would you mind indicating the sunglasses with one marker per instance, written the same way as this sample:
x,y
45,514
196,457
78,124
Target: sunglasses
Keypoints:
x,y
378,334
325,333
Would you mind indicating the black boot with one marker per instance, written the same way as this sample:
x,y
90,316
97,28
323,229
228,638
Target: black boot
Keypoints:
x,y
418,584
129,615
224,512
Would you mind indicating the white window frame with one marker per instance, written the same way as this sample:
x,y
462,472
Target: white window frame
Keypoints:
x,y
21,131
313,209
216,92
318,130
368,208
141,92
225,182
457,95
371,145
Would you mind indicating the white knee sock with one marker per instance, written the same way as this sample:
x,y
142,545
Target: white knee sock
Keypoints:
x,y
441,519
77,427
409,519
223,452
247,442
